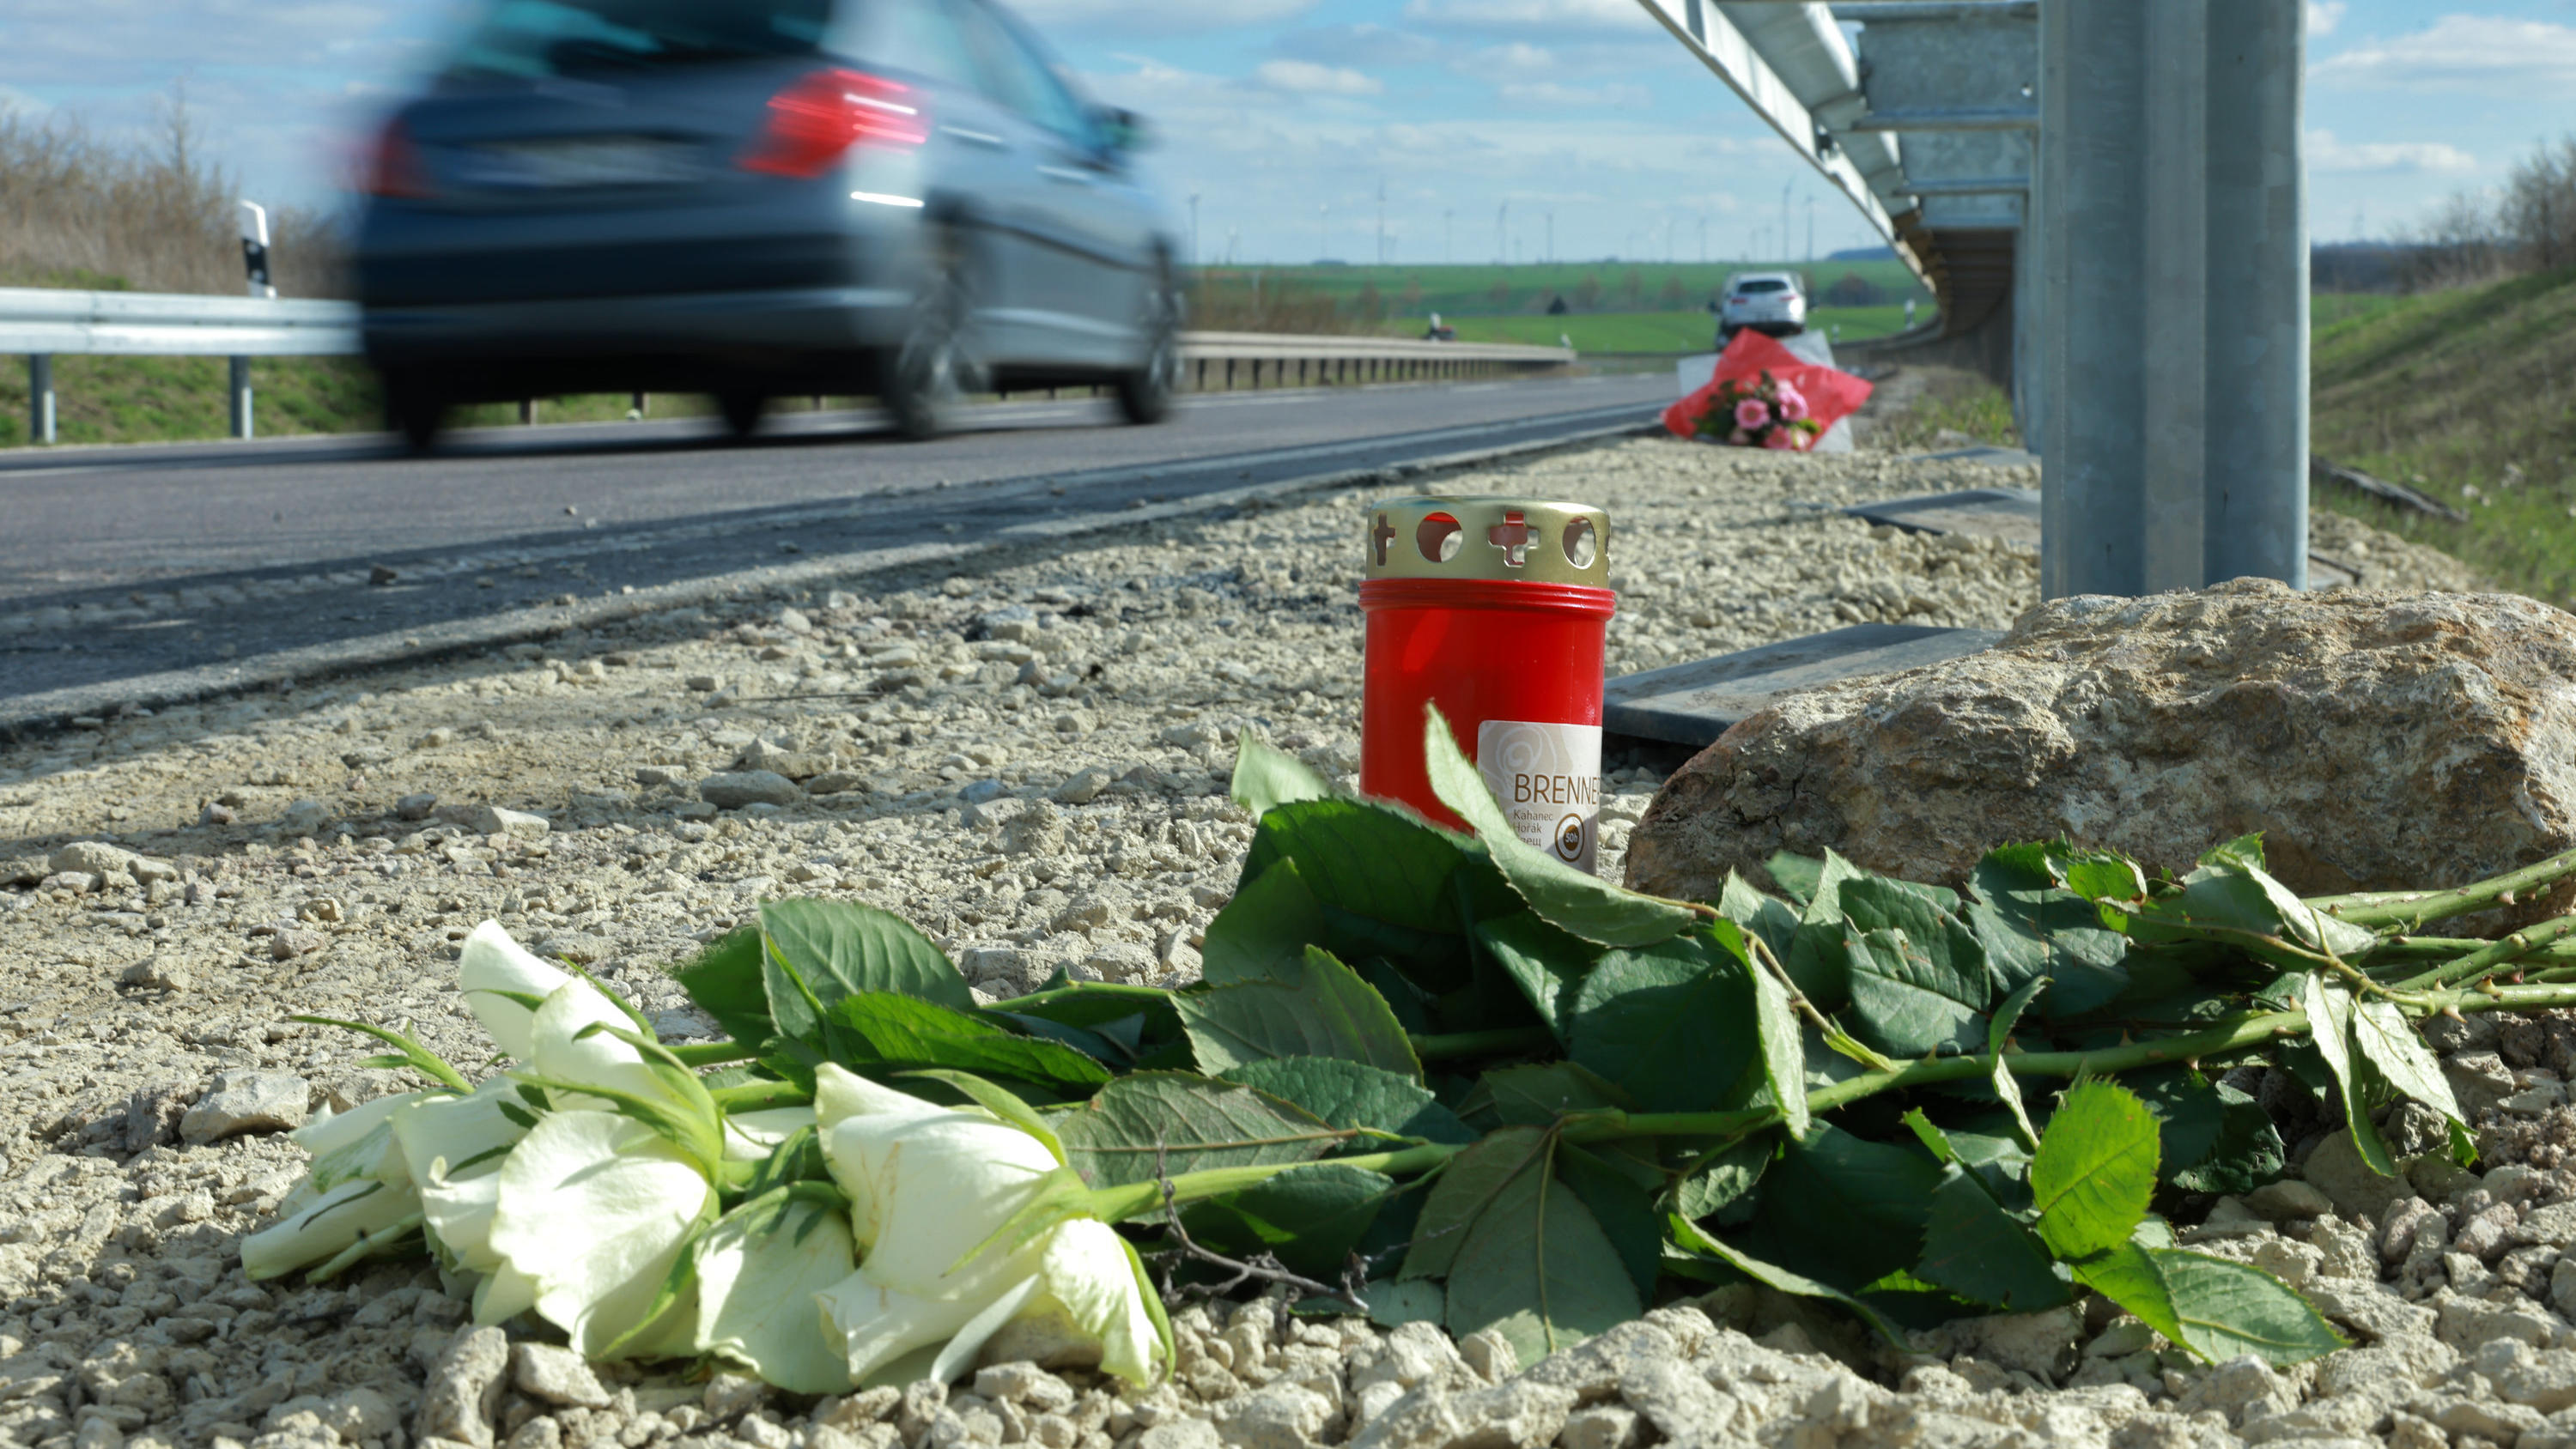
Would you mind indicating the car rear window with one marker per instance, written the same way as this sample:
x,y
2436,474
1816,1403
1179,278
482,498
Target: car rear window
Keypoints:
x,y
532,38
1761,284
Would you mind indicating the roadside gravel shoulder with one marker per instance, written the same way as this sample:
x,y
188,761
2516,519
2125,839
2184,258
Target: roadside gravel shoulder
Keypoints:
x,y
1028,760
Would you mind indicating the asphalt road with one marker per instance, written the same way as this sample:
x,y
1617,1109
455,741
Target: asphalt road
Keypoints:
x,y
126,564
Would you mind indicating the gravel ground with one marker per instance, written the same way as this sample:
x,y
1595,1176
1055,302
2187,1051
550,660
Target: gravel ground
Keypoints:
x,y
1030,762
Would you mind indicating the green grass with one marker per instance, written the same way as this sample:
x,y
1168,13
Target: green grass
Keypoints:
x,y
1409,294
2470,396
176,399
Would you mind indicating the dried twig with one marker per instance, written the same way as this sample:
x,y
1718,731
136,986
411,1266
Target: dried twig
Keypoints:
x,y
1259,1268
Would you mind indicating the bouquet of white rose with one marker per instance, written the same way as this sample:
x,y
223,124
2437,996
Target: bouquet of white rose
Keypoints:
x,y
1552,1099
602,1185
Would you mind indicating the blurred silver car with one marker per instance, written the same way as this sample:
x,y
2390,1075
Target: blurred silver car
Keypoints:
x,y
1772,302
760,198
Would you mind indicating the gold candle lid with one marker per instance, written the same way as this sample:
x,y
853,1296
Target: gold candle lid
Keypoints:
x,y
1521,540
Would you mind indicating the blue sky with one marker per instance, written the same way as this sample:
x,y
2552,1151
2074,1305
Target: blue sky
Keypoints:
x,y
1285,116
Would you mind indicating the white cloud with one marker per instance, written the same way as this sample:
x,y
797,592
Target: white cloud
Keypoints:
x,y
16,102
1363,44
2462,52
1603,16
1157,17
2384,158
1306,78
1518,58
2324,16
1550,93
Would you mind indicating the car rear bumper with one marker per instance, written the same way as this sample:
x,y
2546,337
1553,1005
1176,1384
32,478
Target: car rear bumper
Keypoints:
x,y
798,319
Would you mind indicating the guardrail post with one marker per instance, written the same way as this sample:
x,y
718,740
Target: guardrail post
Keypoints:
x,y
2254,474
237,395
2173,317
40,398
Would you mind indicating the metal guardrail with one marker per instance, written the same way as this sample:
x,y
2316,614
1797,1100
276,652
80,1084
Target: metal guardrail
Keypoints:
x,y
42,323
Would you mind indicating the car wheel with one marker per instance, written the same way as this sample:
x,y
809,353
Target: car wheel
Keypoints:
x,y
413,412
923,388
742,410
1145,394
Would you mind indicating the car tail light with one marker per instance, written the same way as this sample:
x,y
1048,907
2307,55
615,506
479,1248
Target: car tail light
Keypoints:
x,y
395,169
822,115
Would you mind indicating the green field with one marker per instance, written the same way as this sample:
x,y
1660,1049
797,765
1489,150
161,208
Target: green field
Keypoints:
x,y
1672,332
2470,396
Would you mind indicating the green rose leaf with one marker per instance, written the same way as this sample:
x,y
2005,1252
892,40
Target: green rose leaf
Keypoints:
x,y
1354,1094
1262,934
1365,860
1537,1268
1572,900
1155,1124
2095,1170
1310,1219
1672,1025
2382,1035
1974,1248
1266,777
818,952
882,1032
1470,1183
1327,1012
2215,1308
2330,1027
1843,1209
1545,963
725,982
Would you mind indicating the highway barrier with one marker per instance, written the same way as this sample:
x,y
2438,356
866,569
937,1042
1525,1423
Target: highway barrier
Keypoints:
x,y
42,323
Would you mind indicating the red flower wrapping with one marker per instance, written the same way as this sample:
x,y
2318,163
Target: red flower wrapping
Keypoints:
x,y
1753,362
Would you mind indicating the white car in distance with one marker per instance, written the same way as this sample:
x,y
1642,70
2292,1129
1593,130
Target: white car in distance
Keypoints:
x,y
1772,302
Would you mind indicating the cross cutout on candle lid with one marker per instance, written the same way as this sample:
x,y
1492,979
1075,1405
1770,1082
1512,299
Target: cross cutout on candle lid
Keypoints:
x,y
1513,536
1379,536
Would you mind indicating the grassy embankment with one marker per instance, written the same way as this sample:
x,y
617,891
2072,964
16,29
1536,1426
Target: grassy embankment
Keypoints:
x,y
2468,395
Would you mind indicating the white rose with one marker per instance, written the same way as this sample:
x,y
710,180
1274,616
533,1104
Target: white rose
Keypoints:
x,y
490,971
929,1189
358,1189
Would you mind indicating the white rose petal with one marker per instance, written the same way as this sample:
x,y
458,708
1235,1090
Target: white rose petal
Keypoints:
x,y
491,962
760,1276
458,1130
320,1227
751,1136
926,1185
593,1209
558,1050
1088,1272
879,1325
357,1143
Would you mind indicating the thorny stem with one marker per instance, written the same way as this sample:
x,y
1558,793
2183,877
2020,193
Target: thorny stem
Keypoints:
x,y
752,1096
2414,908
2492,956
1824,1025
2415,950
2242,1034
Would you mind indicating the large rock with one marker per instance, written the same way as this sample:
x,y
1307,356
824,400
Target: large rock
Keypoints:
x,y
2379,741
